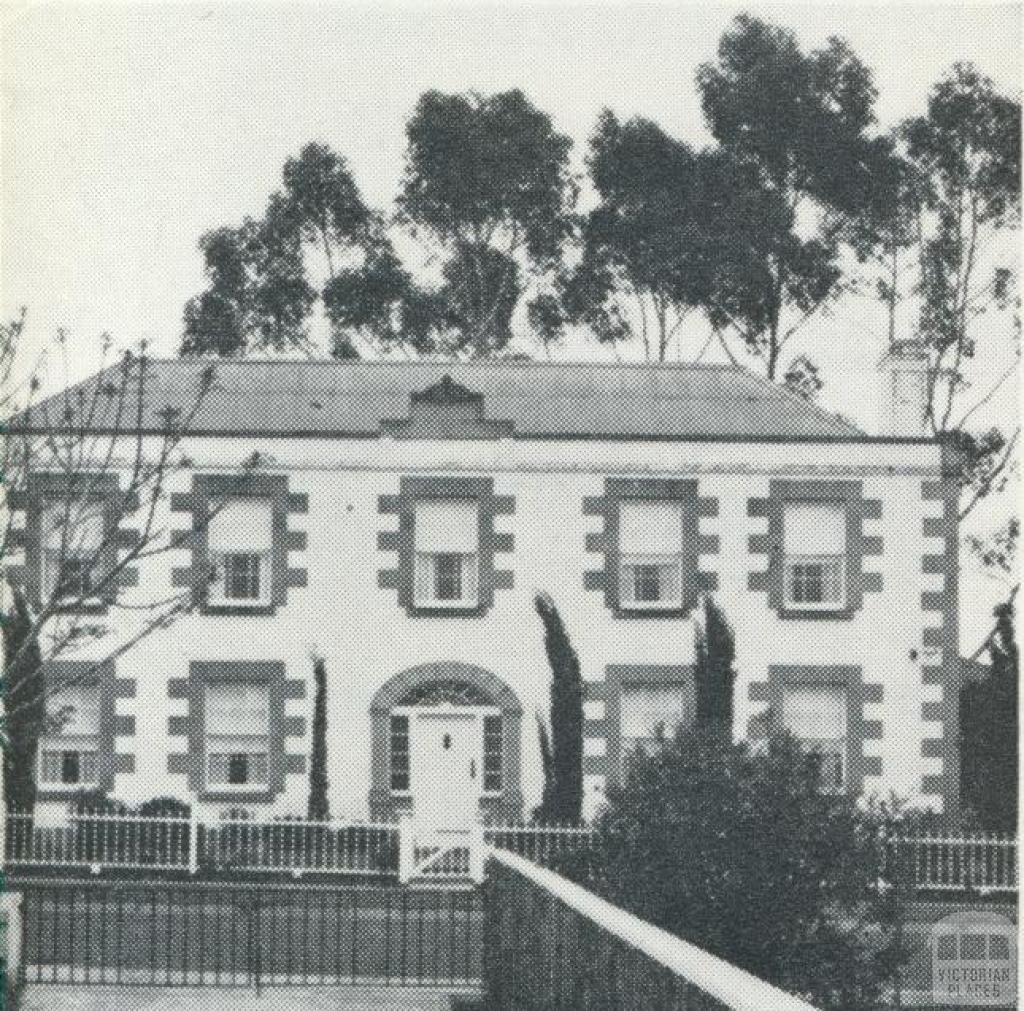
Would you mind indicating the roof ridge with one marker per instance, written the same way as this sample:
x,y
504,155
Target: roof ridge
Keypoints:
x,y
498,363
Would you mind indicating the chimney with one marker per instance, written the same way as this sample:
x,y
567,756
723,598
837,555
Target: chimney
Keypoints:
x,y
904,368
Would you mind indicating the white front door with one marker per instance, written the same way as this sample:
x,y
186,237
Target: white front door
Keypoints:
x,y
447,755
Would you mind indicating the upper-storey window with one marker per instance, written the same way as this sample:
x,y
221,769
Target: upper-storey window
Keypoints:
x,y
814,555
237,719
69,752
72,542
241,542
447,535
650,555
816,717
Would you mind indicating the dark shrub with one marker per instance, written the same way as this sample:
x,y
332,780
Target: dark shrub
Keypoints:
x,y
741,852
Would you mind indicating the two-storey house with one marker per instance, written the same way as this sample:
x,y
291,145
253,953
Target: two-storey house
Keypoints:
x,y
401,521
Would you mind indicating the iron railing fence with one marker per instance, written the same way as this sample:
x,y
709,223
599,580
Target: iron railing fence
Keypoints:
x,y
980,862
190,933
551,943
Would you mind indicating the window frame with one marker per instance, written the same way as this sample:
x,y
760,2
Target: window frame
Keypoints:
x,y
771,544
192,726
59,674
264,579
859,728
695,544
46,490
206,492
490,542
619,678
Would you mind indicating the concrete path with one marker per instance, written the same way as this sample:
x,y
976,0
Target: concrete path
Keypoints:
x,y
285,998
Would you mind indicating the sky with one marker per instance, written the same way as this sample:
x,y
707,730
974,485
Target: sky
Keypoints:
x,y
128,131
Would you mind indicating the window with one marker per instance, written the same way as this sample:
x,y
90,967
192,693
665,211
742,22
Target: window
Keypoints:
x,y
447,553
651,555
400,753
649,716
68,753
814,555
492,754
237,736
241,538
816,717
71,544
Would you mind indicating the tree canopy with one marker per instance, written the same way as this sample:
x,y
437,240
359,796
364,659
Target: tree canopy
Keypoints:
x,y
801,121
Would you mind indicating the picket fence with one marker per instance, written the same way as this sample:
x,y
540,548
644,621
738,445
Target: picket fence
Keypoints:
x,y
97,840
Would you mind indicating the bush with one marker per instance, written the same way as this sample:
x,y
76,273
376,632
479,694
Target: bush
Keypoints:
x,y
165,843
742,853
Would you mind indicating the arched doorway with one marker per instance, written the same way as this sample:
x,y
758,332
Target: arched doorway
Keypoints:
x,y
446,742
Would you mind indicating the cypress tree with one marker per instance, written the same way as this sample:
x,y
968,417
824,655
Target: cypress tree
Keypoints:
x,y
318,808
714,674
24,687
563,787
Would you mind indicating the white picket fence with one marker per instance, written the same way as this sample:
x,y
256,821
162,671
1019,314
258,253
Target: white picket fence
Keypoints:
x,y
97,840
102,840
977,862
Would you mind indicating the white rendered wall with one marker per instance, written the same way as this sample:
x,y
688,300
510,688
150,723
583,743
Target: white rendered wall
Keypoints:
x,y
367,637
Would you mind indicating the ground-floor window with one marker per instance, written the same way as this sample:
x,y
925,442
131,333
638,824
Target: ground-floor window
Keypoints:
x,y
69,751
237,736
649,716
816,716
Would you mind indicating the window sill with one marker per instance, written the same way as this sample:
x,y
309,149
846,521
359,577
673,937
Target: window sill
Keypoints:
x,y
816,613
445,605
460,610
675,609
236,609
236,796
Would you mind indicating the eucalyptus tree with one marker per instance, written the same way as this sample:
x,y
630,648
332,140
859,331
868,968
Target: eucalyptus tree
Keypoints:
x,y
963,156
801,124
642,265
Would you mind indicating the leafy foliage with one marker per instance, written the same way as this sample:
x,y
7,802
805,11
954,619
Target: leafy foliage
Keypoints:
x,y
800,121
743,854
989,733
643,263
485,198
563,754
958,191
478,166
